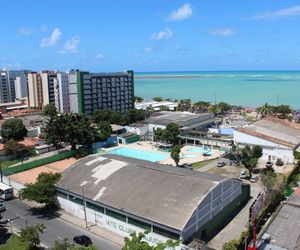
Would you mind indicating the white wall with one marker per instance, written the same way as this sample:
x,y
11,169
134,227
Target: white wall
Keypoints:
x,y
137,130
269,148
218,198
107,222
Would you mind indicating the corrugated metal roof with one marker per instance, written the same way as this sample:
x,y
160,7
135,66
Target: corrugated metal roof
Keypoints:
x,y
163,194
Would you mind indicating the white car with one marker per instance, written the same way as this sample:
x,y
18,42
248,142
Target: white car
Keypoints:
x,y
254,178
243,174
2,207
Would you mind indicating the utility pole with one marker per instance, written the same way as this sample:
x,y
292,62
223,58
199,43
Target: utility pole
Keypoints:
x,y
84,207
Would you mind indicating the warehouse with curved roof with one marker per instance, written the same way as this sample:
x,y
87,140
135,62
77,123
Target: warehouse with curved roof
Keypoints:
x,y
124,194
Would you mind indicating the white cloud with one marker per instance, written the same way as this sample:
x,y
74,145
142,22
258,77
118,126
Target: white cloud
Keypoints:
x,y
163,34
99,56
71,45
222,32
148,49
52,40
281,13
25,31
183,12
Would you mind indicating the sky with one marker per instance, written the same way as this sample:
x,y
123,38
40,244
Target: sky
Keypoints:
x,y
150,35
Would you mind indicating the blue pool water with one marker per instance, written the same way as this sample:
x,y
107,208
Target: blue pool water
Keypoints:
x,y
140,154
200,150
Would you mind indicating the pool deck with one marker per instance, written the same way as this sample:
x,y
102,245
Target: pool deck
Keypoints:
x,y
151,146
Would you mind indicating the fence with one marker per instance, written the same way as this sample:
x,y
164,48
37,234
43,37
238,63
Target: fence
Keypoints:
x,y
37,163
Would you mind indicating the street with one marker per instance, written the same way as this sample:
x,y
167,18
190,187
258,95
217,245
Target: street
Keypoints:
x,y
56,228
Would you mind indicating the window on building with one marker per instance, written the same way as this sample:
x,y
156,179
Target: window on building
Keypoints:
x,y
139,223
115,215
165,233
75,199
95,207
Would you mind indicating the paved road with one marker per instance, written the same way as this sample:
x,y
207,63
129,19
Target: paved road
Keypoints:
x,y
213,164
56,228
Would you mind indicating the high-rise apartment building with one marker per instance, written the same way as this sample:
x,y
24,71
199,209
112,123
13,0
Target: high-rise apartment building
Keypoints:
x,y
21,87
104,91
35,92
48,78
7,84
61,93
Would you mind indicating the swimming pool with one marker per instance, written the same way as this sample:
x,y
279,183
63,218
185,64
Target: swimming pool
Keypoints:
x,y
140,154
200,150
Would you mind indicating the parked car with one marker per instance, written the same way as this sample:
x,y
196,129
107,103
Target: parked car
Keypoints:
x,y
243,174
269,164
221,164
279,162
254,178
82,240
2,207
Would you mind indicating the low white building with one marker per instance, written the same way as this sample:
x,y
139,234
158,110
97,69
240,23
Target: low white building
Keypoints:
x,y
278,138
124,194
156,105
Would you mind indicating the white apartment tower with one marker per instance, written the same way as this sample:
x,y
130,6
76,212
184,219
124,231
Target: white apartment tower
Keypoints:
x,y
61,93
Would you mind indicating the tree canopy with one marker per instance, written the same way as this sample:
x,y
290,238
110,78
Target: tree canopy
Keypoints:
x,y
138,99
104,130
13,129
138,242
50,110
30,235
175,154
169,134
250,156
42,191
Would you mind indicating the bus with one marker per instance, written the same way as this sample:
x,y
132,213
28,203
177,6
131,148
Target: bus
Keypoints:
x,y
6,192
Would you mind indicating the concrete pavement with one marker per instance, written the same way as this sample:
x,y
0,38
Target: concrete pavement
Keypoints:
x,y
56,228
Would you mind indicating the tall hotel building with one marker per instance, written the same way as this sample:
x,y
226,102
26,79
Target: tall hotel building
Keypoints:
x,y
89,92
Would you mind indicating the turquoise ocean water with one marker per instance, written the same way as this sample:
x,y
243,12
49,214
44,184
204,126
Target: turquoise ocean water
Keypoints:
x,y
247,88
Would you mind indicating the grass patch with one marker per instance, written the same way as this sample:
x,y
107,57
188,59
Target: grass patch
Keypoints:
x,y
6,164
14,243
201,164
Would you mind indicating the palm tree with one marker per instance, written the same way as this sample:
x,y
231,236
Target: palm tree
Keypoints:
x,y
184,105
201,106
265,110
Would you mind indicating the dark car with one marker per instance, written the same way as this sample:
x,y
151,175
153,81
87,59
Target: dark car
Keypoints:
x,y
82,240
269,164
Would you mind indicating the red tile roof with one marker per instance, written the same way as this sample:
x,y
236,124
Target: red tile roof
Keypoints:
x,y
30,142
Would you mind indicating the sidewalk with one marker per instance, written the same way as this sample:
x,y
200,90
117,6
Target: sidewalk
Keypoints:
x,y
92,228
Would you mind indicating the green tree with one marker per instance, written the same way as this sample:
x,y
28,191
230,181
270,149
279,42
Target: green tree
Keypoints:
x,y
16,149
55,130
50,110
138,99
214,109
201,106
110,116
66,245
138,242
13,129
224,107
184,105
230,245
283,111
159,134
104,130
30,235
171,132
78,130
250,156
175,154
42,191
158,99
134,115
265,110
